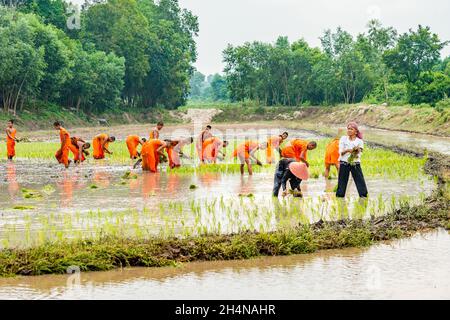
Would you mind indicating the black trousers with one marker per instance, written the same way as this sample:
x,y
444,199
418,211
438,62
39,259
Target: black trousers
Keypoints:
x,y
357,174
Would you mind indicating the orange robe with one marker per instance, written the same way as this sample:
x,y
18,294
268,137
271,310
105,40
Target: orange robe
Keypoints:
x,y
11,143
132,144
244,149
295,150
272,143
74,148
211,148
201,140
62,155
154,134
332,152
150,156
97,144
174,157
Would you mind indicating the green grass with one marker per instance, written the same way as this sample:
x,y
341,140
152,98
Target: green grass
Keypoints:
x,y
377,163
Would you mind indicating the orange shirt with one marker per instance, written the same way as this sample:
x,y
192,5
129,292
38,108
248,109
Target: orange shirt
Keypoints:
x,y
300,147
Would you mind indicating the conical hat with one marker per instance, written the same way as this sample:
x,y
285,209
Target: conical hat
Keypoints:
x,y
300,170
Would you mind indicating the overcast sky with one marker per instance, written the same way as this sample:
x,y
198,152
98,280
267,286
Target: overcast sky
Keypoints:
x,y
238,21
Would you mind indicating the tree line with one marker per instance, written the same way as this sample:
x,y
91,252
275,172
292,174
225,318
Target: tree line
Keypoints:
x,y
131,53
379,65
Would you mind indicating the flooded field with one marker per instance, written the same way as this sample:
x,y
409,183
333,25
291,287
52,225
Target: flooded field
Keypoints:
x,y
69,205
407,140
416,268
40,201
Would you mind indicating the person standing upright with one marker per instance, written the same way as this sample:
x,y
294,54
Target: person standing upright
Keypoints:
x,y
154,133
351,147
11,139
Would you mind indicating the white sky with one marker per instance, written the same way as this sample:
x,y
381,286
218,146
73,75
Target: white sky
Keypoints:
x,y
238,21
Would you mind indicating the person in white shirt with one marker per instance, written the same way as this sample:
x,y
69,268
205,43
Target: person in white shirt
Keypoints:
x,y
350,150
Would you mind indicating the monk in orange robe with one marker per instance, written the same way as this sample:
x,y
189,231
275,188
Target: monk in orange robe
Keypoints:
x,y
174,161
11,140
245,152
274,143
332,154
151,150
178,151
79,149
298,150
132,144
154,133
204,135
62,155
212,148
100,145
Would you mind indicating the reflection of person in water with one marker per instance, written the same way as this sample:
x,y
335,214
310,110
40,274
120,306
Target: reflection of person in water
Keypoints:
x,y
209,179
246,185
101,178
67,186
13,185
173,183
150,183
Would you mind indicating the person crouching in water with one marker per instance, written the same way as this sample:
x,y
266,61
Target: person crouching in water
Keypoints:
x,y
151,152
245,152
288,170
175,152
133,143
350,148
79,148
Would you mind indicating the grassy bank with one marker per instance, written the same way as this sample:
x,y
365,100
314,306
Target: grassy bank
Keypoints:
x,y
43,117
424,119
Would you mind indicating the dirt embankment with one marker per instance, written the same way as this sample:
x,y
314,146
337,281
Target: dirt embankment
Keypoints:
x,y
419,120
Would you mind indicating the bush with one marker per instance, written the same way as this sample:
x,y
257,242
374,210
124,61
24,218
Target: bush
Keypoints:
x,y
443,104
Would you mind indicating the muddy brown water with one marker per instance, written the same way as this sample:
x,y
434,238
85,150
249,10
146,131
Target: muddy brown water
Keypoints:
x,y
416,268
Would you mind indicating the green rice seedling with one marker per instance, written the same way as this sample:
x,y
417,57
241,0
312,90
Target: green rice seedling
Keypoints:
x,y
23,207
31,194
48,189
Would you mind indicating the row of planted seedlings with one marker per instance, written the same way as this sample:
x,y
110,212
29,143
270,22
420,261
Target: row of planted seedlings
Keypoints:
x,y
377,162
223,215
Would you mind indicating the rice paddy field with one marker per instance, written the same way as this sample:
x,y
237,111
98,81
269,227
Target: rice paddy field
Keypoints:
x,y
46,202
104,214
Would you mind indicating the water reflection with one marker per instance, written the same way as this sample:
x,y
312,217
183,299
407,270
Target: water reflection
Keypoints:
x,y
11,179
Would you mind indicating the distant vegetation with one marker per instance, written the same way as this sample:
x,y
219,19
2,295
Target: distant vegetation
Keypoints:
x,y
137,56
379,66
126,53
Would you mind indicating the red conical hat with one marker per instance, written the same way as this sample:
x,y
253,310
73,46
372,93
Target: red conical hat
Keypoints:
x,y
300,170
